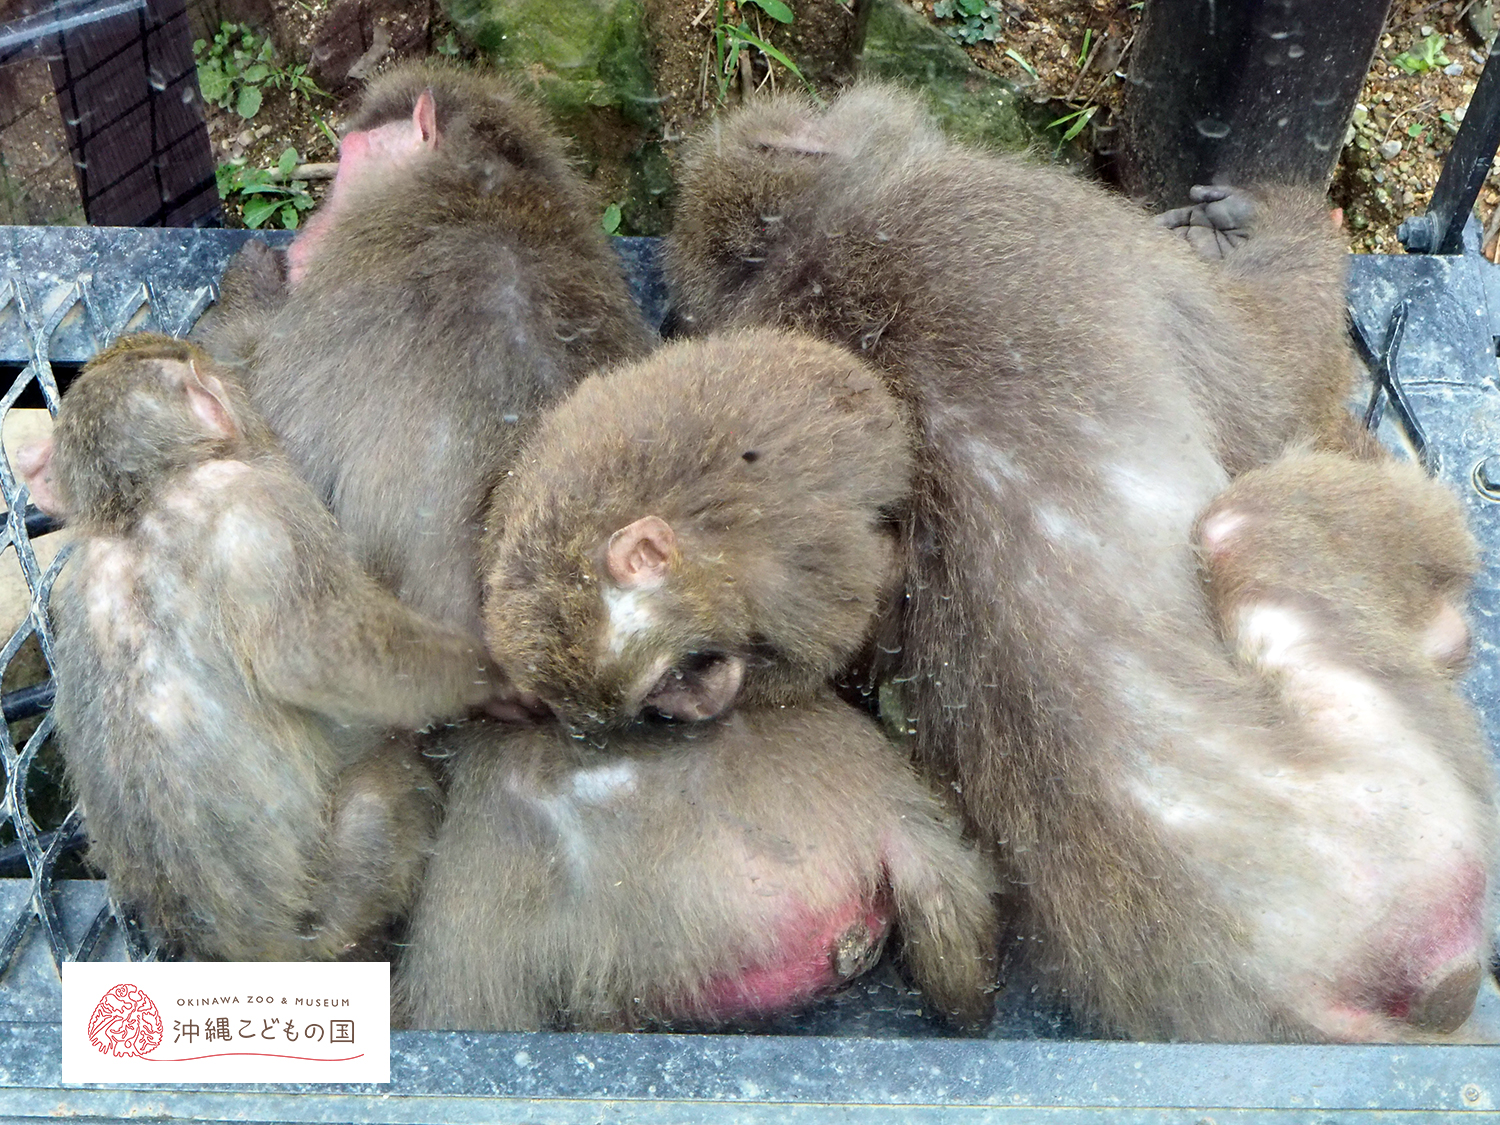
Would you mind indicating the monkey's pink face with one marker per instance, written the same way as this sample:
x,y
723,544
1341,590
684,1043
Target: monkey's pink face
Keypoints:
x,y
34,467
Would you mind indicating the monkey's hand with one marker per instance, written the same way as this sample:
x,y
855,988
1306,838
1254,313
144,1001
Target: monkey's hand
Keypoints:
x,y
1218,221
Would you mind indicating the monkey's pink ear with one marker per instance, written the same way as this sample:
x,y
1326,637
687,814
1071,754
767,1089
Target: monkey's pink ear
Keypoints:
x,y
34,466
641,554
207,400
424,119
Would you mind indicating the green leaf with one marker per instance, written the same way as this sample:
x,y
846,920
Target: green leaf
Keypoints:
x,y
943,9
289,217
775,9
972,7
257,73
1024,65
611,220
212,83
258,211
766,49
249,104
288,161
1083,119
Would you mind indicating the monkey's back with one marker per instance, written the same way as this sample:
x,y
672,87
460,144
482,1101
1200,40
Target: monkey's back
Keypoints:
x,y
205,801
1056,649
651,875
433,324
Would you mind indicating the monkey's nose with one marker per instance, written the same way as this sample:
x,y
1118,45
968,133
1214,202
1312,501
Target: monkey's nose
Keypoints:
x,y
1447,994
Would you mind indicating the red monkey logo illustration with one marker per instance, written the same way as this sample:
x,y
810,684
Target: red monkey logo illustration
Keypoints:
x,y
125,1022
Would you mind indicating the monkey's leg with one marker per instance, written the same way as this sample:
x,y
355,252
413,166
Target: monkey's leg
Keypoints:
x,y
384,814
944,896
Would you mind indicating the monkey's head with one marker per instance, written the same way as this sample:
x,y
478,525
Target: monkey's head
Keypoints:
x,y
711,525
430,143
748,177
1373,548
143,409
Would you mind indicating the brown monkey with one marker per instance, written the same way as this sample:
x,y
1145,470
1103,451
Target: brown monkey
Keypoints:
x,y
1339,583
710,524
700,872
1083,387
226,675
454,284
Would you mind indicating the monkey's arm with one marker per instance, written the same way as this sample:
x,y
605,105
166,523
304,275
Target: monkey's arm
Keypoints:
x,y
363,657
315,631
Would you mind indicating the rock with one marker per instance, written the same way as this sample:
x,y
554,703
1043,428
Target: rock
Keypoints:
x,y
1454,69
1390,149
588,60
972,104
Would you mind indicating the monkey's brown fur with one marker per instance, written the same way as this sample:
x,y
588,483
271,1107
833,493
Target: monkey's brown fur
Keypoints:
x,y
777,460
226,674
1084,385
1341,583
448,298
633,880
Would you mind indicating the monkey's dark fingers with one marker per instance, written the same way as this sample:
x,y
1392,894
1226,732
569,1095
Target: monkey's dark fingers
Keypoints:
x,y
1218,221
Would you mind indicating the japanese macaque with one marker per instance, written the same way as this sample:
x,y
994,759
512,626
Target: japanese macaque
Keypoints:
x,y
454,283
1084,385
1340,584
713,524
697,873
231,687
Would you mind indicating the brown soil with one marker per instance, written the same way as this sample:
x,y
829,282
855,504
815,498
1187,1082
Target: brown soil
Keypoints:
x,y
1069,53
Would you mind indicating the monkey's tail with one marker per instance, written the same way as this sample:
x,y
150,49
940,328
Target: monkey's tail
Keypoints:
x,y
945,893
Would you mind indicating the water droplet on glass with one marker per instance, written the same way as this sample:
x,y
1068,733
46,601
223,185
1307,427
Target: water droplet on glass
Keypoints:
x,y
157,80
1372,789
1296,51
1213,128
1283,122
1279,34
189,95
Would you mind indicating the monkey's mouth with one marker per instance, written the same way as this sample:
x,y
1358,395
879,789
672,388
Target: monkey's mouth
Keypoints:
x,y
703,685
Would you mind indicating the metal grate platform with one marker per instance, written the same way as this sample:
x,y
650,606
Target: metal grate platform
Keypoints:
x,y
870,1054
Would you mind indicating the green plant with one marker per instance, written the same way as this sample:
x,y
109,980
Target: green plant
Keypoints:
x,y
1079,118
448,46
266,192
1088,41
611,220
975,20
1011,53
1426,55
237,66
730,41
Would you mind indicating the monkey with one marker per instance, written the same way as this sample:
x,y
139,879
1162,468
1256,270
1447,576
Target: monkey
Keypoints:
x,y
235,697
454,283
710,526
1341,584
672,874
1083,384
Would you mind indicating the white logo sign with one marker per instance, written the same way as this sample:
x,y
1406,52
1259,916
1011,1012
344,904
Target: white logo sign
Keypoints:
x,y
226,1022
